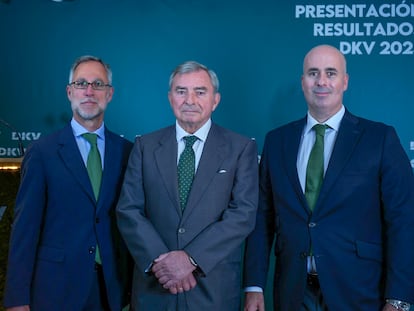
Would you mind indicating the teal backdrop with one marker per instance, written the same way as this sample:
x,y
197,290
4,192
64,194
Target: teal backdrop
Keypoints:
x,y
256,48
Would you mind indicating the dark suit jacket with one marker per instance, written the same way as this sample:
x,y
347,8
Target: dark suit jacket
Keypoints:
x,y
58,223
362,227
219,215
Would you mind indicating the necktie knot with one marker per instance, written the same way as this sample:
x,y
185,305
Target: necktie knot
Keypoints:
x,y
320,129
92,138
190,140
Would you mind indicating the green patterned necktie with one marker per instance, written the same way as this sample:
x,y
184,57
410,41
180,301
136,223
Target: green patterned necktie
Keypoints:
x,y
315,168
186,170
94,167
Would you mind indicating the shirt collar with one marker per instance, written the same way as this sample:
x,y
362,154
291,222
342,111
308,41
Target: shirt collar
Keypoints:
x,y
201,133
333,122
78,129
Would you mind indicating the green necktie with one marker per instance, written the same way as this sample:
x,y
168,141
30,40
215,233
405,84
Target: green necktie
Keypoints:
x,y
315,168
94,167
94,163
186,170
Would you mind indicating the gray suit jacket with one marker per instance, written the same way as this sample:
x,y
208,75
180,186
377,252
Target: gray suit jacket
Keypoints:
x,y
219,215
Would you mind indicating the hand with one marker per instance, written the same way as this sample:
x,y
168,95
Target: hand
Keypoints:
x,y
174,269
19,308
254,301
184,286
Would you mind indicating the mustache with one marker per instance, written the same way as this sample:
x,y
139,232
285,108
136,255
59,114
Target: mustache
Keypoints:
x,y
89,100
189,108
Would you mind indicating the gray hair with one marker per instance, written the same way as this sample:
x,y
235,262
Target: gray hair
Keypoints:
x,y
193,66
90,58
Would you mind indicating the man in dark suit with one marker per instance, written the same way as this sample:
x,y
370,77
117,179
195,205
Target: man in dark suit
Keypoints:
x,y
353,249
60,223
188,252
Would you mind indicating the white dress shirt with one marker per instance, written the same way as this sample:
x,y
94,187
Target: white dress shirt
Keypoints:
x,y
198,146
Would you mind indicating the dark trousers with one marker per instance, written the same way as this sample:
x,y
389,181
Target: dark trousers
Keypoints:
x,y
98,298
313,299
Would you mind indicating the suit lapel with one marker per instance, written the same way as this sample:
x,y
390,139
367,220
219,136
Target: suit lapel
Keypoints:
x,y
346,141
214,152
111,169
290,151
166,161
72,159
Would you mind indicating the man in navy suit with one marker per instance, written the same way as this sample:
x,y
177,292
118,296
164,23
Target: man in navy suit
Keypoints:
x,y
59,223
354,249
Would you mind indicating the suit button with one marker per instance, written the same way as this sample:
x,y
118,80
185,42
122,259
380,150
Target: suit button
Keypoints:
x,y
181,230
91,249
312,224
303,255
97,220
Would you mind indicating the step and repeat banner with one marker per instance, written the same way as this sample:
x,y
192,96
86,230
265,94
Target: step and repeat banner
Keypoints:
x,y
256,48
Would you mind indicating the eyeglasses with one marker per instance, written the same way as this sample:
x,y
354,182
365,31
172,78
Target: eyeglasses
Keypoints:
x,y
96,85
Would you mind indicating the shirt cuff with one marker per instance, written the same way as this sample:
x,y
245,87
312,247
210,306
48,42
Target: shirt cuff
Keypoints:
x,y
253,289
148,270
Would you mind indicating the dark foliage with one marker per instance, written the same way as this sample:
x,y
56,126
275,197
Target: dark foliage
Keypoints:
x,y
9,183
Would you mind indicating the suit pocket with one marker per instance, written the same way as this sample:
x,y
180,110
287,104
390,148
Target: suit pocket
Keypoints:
x,y
50,254
369,250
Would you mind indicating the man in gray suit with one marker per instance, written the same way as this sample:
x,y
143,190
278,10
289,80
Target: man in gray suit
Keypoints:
x,y
188,256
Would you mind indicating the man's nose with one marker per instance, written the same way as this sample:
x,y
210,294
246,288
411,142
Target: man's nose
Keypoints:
x,y
323,79
190,99
89,90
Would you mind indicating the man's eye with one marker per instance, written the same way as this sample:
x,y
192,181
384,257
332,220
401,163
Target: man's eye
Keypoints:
x,y
81,83
331,74
97,83
180,92
200,93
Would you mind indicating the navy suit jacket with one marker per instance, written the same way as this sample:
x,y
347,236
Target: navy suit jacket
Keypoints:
x,y
58,222
362,227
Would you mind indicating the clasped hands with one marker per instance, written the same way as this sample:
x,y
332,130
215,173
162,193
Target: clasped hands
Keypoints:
x,y
174,271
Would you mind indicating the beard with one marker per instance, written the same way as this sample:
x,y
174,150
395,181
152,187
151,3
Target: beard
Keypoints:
x,y
88,115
